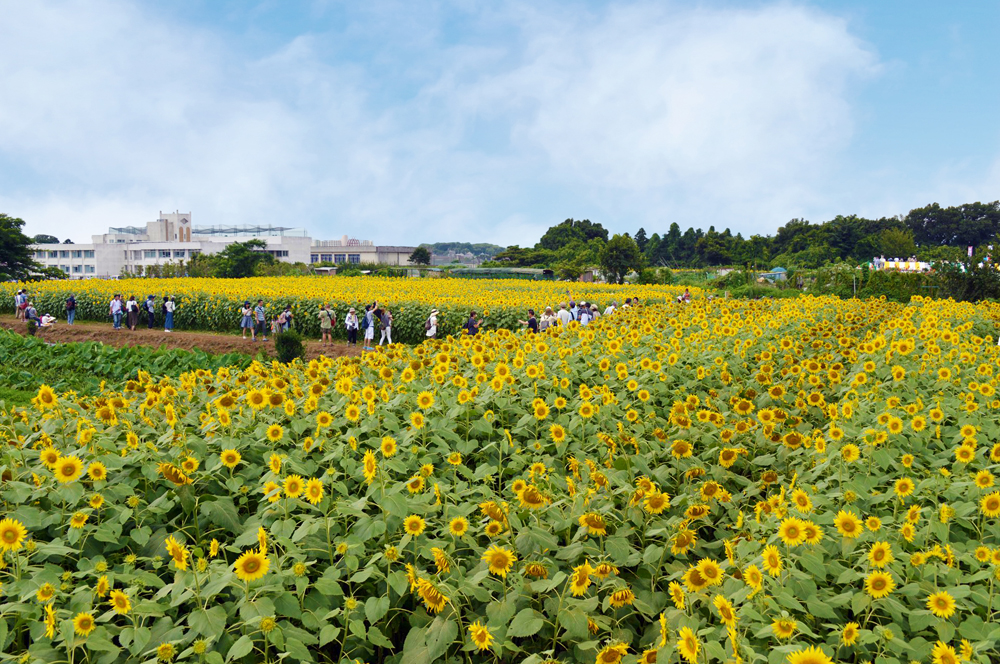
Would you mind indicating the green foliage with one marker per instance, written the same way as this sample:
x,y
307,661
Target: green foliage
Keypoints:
x,y
241,259
481,249
571,231
620,256
288,346
16,260
421,256
897,242
45,239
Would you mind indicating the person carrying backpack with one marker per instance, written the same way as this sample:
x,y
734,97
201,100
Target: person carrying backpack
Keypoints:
x,y
70,309
325,323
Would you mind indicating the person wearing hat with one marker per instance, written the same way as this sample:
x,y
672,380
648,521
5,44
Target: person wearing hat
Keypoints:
x,y
431,326
151,310
325,323
351,323
246,322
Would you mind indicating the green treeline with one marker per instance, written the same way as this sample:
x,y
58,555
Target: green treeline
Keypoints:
x,y
929,233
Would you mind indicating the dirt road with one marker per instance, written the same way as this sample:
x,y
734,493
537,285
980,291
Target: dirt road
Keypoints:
x,y
206,341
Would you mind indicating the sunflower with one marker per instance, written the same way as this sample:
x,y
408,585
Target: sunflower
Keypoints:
x,y
251,566
850,452
594,524
499,560
903,487
272,490
879,584
811,655
165,652
78,520
50,621
848,524
655,502
791,532
12,533
314,491
370,466
990,504
415,484
323,419
783,628
941,604
45,593
388,447
83,624
68,468
293,486
119,602
944,654
414,525
480,636
97,472
711,571
177,551
772,560
230,458
579,580
433,598
726,612
458,526
611,653
417,420
880,554
687,645
621,598
849,635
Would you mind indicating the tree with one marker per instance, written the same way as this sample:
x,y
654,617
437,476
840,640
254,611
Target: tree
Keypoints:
x,y
570,230
420,256
46,239
897,243
641,239
67,241
620,256
15,253
240,259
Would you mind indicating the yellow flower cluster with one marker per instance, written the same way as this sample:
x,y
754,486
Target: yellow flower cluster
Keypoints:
x,y
807,481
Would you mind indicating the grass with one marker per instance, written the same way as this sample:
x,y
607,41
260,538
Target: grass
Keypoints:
x,y
12,396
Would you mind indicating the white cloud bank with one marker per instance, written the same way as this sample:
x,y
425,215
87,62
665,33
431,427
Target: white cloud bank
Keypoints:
x,y
636,115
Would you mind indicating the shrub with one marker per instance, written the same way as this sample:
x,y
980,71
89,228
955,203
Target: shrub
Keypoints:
x,y
289,347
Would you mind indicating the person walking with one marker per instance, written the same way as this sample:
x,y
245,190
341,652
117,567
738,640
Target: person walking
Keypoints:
x,y
369,326
115,309
70,309
131,313
386,320
168,313
151,310
260,315
351,324
431,326
325,323
531,323
246,319
21,303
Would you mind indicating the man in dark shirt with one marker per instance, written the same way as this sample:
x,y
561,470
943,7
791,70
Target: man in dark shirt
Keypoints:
x,y
472,327
532,322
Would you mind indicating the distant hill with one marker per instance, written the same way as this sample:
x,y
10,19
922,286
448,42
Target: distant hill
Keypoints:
x,y
479,249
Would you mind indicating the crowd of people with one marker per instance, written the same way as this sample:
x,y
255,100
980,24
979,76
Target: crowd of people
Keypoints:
x,y
257,322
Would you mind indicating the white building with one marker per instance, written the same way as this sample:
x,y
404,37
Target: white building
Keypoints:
x,y
174,239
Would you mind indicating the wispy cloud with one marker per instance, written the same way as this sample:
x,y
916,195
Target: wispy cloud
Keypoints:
x,y
633,114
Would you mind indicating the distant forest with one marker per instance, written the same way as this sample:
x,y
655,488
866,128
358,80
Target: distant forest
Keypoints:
x,y
482,249
928,233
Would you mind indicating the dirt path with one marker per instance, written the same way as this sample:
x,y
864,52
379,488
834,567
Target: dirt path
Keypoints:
x,y
206,341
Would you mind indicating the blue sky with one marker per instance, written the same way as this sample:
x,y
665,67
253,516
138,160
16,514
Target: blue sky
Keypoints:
x,y
407,122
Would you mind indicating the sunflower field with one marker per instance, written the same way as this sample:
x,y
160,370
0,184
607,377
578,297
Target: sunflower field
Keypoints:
x,y
803,481
214,304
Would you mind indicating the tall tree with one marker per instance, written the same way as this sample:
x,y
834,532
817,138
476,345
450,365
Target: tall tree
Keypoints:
x,y
420,256
641,239
46,239
16,260
570,230
620,256
240,259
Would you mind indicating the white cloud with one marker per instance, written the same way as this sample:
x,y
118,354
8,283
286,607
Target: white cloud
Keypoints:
x,y
630,115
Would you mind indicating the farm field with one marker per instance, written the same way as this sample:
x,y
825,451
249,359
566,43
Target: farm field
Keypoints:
x,y
805,480
214,304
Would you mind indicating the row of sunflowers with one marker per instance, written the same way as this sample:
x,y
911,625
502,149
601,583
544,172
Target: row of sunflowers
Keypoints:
x,y
803,481
215,304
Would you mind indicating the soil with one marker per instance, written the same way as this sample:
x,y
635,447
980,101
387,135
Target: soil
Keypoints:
x,y
206,341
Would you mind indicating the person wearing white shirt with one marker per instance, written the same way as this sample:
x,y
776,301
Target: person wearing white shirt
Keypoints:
x,y
564,316
351,324
611,308
432,325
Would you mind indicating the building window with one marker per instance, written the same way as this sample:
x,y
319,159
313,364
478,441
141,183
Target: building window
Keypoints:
x,y
164,253
314,258
64,268
88,253
279,253
178,253
326,258
77,269
354,258
63,254
53,254
193,252
339,258
149,253
77,253
89,269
